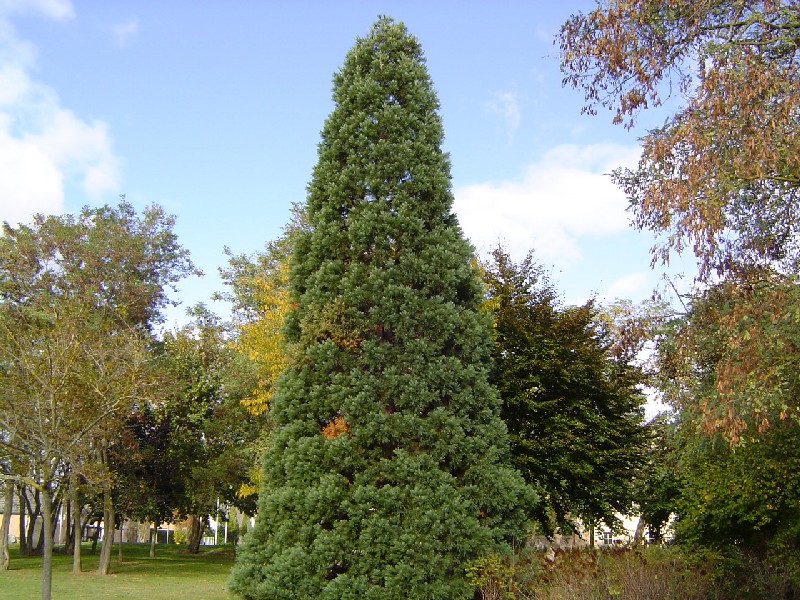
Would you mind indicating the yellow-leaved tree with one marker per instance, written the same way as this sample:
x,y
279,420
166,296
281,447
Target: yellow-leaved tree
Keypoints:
x,y
259,294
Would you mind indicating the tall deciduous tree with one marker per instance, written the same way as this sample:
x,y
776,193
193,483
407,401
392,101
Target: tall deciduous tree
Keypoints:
x,y
722,175
570,397
77,296
386,472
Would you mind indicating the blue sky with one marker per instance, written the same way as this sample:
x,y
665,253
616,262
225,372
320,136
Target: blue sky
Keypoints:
x,y
213,109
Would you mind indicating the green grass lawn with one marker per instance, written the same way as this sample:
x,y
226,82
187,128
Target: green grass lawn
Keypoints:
x,y
172,574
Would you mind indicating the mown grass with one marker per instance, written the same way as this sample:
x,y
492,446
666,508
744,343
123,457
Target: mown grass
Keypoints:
x,y
172,574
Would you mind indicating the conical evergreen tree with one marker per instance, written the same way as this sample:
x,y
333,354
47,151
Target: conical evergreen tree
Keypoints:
x,y
386,474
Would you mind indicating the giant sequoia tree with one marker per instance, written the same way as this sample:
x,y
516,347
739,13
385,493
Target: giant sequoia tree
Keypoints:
x,y
385,475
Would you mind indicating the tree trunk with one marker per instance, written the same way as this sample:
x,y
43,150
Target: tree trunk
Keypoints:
x,y
32,512
77,526
42,532
23,540
55,514
196,529
108,533
119,548
153,534
47,545
8,501
69,542
638,535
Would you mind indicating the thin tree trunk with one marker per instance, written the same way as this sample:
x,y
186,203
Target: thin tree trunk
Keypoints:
x,y
8,501
30,519
95,535
69,541
42,531
23,540
638,535
77,526
55,514
108,533
34,510
85,522
119,549
153,534
47,549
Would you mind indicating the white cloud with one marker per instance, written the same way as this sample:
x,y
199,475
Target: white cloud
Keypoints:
x,y
506,104
29,181
564,197
124,32
632,285
60,10
43,145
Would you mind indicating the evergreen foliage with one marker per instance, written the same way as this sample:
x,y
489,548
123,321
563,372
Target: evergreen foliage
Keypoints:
x,y
573,410
386,474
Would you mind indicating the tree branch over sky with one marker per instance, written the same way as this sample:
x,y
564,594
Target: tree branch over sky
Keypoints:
x,y
721,177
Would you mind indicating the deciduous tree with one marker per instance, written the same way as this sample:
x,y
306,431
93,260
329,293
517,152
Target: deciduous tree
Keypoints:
x,y
65,374
721,177
77,297
745,496
386,472
571,398
209,433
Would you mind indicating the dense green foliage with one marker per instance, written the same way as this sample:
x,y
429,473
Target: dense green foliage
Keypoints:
x,y
191,447
573,410
659,486
747,496
386,472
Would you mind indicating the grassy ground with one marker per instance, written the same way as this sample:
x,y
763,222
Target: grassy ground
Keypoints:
x,y
171,574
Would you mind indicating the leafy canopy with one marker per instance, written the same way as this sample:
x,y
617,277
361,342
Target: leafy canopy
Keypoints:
x,y
570,397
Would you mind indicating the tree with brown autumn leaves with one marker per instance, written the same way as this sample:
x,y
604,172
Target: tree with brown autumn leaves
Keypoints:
x,y
720,178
